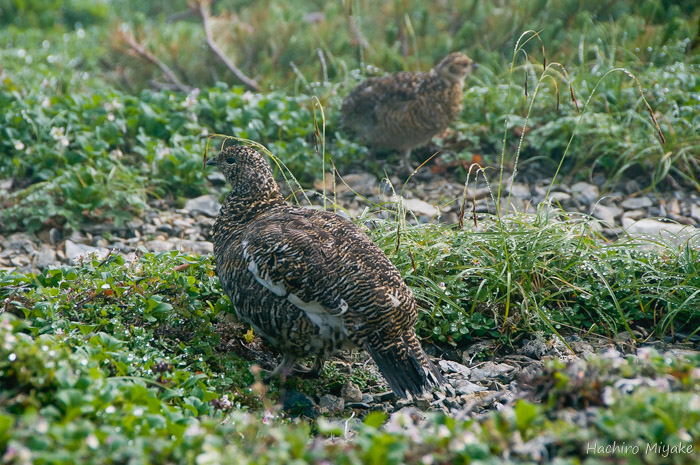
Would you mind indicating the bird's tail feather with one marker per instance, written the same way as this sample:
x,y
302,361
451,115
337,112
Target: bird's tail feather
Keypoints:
x,y
406,367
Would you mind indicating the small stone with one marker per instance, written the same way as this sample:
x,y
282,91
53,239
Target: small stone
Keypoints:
x,y
462,386
20,242
535,348
365,184
367,398
586,193
490,370
670,231
520,190
148,229
351,392
695,212
449,366
121,246
206,204
560,197
22,262
73,250
634,203
634,214
674,207
384,396
451,403
298,404
198,247
422,403
420,207
55,236
681,219
605,214
100,242
165,228
45,256
631,187
688,354
331,404
183,223
159,246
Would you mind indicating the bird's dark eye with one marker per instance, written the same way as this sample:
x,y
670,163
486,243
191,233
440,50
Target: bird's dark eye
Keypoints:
x,y
230,160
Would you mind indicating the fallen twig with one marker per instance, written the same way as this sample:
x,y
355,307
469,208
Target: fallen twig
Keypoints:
x,y
141,51
204,11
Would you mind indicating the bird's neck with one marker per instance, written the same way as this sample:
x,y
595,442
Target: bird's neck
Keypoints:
x,y
243,207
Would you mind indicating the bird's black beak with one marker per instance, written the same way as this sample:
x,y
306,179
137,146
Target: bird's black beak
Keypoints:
x,y
211,161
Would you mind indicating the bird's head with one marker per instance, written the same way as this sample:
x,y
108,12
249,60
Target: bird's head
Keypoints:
x,y
455,67
245,170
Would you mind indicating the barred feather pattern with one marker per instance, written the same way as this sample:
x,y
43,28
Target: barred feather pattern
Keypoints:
x,y
405,110
310,281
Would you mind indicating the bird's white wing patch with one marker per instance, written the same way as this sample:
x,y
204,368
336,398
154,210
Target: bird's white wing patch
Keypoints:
x,y
319,314
276,288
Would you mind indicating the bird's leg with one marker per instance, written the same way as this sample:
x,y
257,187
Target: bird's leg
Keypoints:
x,y
312,372
317,367
284,369
406,168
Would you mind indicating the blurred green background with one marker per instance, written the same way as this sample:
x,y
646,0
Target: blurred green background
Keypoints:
x,y
84,115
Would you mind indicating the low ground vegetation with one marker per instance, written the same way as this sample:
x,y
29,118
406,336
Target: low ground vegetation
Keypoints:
x,y
134,359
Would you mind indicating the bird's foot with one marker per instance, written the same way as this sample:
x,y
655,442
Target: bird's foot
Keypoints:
x,y
313,372
283,370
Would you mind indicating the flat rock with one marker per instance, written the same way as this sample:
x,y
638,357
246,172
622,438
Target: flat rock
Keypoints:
x,y
351,392
606,214
19,242
462,387
420,207
331,403
520,190
298,405
695,212
585,192
74,250
363,183
669,231
490,370
634,203
198,247
45,256
159,246
449,366
634,214
207,205
560,197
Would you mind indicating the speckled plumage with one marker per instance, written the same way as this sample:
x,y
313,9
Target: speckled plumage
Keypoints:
x,y
402,111
310,281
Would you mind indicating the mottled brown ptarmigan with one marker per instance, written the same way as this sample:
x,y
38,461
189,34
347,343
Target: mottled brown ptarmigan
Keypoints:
x,y
402,111
310,281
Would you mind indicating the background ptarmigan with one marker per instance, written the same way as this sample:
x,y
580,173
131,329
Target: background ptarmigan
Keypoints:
x,y
402,111
311,282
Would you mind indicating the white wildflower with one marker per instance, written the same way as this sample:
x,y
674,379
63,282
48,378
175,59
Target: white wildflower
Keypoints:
x,y
194,430
92,441
8,341
19,145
